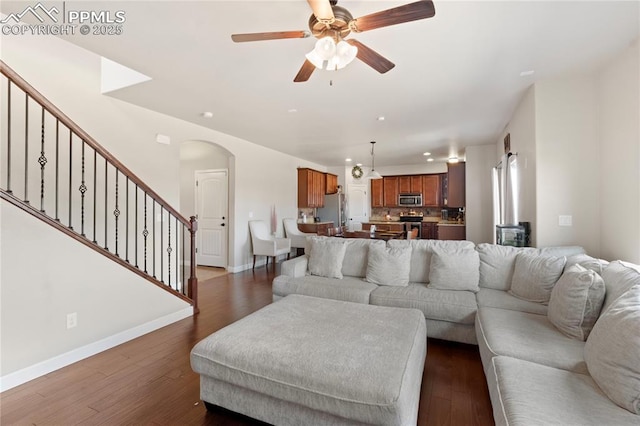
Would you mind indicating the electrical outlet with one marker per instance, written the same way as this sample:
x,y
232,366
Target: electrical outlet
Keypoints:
x,y
565,220
72,320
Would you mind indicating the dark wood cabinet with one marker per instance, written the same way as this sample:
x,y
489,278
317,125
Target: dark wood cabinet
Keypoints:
x,y
431,191
311,188
377,193
331,183
429,230
390,191
410,184
393,227
456,185
452,232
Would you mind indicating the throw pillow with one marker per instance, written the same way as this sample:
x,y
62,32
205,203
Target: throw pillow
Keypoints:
x,y
454,270
575,302
612,351
534,276
389,265
326,256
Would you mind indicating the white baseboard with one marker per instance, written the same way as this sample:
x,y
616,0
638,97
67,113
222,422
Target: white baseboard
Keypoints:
x,y
24,375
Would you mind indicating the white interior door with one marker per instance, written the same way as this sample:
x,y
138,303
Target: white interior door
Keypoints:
x,y
211,208
358,206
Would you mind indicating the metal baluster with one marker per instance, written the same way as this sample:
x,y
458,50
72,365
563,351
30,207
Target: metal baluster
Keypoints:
x,y
26,148
95,192
153,227
177,253
161,243
42,161
136,233
184,254
70,175
169,249
106,177
126,232
9,136
116,212
145,233
82,189
57,166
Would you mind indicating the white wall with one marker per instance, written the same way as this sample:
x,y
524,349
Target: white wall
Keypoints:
x,y
479,206
619,156
522,128
567,159
46,275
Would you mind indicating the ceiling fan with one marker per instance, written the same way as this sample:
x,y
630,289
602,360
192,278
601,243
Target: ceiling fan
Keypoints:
x,y
330,24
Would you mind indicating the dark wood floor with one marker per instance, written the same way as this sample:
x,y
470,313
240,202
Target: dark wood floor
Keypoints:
x,y
149,380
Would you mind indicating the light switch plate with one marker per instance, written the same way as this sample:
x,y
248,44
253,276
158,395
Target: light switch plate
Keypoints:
x,y
565,220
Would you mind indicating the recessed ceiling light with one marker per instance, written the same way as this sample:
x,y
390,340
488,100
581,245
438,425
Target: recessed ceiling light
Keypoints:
x,y
426,153
527,73
292,110
359,164
348,160
429,159
453,160
381,118
207,114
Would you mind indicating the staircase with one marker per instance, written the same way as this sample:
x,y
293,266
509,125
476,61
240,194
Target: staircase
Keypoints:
x,y
55,171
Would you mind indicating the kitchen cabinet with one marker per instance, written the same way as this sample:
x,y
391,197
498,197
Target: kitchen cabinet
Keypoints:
x,y
320,228
311,188
429,230
392,227
431,191
452,232
377,193
331,183
456,185
410,184
390,191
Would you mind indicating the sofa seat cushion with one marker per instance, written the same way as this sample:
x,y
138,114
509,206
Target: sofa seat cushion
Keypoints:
x,y
444,305
526,393
349,289
501,299
527,336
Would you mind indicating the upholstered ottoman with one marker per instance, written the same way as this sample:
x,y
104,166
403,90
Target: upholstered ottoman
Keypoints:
x,y
311,361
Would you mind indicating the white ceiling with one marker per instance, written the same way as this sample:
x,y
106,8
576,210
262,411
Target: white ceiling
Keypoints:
x,y
456,81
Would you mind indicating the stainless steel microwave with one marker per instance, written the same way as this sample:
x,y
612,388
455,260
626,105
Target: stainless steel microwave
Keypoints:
x,y
410,200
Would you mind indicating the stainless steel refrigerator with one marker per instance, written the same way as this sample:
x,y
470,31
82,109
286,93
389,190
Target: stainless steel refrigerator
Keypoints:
x,y
334,210
506,197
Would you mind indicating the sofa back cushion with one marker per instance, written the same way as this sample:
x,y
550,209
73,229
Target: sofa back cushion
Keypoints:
x,y
618,278
454,269
560,251
356,256
535,275
612,351
326,256
421,251
497,264
576,301
389,265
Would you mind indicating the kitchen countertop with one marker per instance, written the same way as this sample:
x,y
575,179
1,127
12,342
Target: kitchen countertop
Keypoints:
x,y
313,223
429,219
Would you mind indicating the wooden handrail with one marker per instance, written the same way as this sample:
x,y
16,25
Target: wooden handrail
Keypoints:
x,y
55,111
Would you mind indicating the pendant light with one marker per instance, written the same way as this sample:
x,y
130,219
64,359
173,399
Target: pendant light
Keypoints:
x,y
373,174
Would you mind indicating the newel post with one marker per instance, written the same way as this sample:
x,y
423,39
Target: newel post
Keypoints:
x,y
193,280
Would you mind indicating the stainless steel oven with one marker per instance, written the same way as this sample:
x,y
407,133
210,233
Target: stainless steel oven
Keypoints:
x,y
410,200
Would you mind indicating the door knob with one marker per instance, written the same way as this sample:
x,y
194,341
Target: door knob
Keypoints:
x,y
222,224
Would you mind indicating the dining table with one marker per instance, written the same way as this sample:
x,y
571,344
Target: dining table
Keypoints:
x,y
377,235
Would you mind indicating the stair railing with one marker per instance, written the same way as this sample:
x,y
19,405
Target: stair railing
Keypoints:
x,y
57,172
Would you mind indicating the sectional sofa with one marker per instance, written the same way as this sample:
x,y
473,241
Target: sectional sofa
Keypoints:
x,y
558,331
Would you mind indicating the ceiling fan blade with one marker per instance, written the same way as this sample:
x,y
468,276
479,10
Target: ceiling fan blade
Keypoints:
x,y
322,10
239,38
305,72
371,57
397,15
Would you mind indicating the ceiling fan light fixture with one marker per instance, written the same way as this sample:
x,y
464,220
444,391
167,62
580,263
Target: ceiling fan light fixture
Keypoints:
x,y
328,55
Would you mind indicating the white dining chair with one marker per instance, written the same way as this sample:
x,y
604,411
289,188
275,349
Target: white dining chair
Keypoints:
x,y
264,244
297,237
